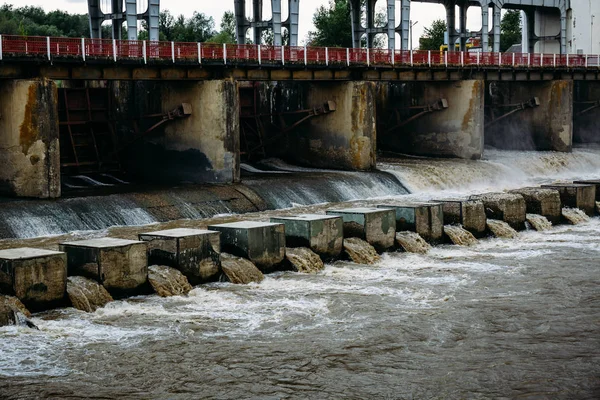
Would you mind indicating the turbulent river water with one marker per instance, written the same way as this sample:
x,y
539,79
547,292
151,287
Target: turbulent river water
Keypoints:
x,y
503,318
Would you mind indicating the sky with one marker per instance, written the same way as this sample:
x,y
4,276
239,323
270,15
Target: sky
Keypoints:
x,y
421,14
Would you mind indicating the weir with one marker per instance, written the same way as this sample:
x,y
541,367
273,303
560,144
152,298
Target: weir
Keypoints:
x,y
122,266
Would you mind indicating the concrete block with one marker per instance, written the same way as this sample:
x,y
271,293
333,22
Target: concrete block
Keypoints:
x,y
194,252
468,213
323,234
540,201
375,225
426,219
263,243
507,207
36,277
576,195
595,182
119,265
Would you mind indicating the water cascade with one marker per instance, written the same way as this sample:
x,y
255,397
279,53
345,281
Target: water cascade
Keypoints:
x,y
167,281
239,270
303,259
501,229
87,295
412,242
539,222
460,236
574,215
306,186
360,251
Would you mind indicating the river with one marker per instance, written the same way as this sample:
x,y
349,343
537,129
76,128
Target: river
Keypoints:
x,y
500,319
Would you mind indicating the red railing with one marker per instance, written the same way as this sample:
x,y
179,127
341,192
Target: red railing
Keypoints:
x,y
28,47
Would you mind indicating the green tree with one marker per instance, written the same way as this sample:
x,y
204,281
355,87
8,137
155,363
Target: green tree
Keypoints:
x,y
433,37
510,29
227,32
333,26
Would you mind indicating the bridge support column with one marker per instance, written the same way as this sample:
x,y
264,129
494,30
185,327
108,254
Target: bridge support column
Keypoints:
x,y
439,119
202,147
530,115
586,112
29,145
346,138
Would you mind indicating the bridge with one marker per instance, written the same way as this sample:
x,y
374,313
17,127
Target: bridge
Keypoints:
x,y
168,111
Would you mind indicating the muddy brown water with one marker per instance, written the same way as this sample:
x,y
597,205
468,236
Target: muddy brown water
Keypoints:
x,y
503,318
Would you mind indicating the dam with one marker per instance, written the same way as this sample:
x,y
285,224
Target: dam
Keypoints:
x,y
277,221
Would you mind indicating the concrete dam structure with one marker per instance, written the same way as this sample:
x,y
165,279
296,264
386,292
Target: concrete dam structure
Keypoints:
x,y
194,117
195,220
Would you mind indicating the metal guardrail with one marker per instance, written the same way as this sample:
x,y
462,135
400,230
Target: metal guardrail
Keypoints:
x,y
23,48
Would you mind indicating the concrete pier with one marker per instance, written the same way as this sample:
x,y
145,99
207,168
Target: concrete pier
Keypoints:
x,y
545,202
586,98
595,182
36,277
468,213
203,147
377,226
263,243
544,124
576,195
346,138
194,252
323,234
29,139
455,131
426,219
507,207
119,265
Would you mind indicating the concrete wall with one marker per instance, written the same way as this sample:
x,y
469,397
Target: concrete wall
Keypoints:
x,y
547,127
29,139
585,126
454,132
200,148
344,139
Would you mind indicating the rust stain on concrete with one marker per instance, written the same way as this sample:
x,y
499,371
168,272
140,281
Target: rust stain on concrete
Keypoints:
x,y
28,134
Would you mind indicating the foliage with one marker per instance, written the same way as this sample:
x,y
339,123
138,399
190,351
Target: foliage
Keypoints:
x,y
510,29
433,37
333,26
227,32
34,21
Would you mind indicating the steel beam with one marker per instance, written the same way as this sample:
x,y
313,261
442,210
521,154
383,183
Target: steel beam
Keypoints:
x,y
131,18
292,22
405,24
96,17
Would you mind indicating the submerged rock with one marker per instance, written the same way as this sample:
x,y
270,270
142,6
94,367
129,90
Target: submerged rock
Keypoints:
x,y
239,270
303,259
412,242
501,229
168,281
539,222
13,312
575,216
86,294
360,251
460,236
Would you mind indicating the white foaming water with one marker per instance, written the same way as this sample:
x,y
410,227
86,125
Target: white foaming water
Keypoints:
x,y
499,170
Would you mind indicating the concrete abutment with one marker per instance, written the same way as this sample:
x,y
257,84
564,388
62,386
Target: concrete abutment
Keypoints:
x,y
437,119
29,139
529,115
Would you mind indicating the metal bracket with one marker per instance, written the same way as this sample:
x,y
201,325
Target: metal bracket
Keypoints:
x,y
440,105
532,103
